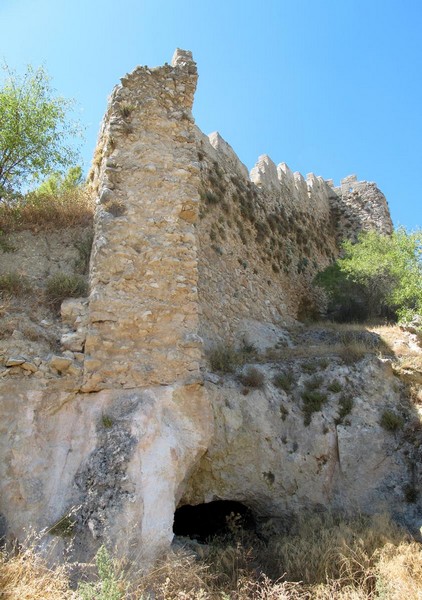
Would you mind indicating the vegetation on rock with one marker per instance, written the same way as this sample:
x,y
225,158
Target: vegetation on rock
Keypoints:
x,y
38,212
379,276
61,286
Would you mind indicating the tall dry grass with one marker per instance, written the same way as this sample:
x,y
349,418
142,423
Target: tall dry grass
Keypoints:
x,y
24,575
46,212
322,558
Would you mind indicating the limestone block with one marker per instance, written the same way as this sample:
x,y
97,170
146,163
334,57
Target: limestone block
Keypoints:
x,y
229,155
119,460
73,310
73,341
263,336
15,361
263,454
60,363
29,366
285,176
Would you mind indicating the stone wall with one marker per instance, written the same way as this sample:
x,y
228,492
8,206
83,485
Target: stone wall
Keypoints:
x,y
263,238
260,242
143,310
360,206
188,243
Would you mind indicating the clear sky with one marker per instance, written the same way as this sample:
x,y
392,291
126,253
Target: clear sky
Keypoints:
x,y
332,87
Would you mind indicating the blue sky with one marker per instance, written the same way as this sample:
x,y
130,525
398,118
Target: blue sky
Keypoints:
x,y
332,87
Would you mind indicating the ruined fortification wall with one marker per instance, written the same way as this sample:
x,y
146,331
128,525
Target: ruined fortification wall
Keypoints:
x,y
143,311
260,241
263,237
360,206
189,243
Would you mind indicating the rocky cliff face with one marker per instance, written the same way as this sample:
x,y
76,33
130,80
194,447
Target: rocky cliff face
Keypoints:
x,y
117,420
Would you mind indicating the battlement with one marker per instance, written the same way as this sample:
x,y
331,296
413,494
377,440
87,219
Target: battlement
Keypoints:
x,y
359,205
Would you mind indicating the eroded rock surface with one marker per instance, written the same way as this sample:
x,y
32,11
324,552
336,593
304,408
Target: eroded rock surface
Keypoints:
x,y
320,444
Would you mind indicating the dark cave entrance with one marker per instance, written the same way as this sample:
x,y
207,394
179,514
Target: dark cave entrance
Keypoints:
x,y
204,521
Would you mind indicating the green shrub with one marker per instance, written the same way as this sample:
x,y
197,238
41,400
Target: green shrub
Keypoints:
x,y
126,109
391,421
253,378
314,382
224,359
212,198
61,286
37,135
84,247
106,421
345,408
110,586
14,284
335,386
379,276
312,402
284,380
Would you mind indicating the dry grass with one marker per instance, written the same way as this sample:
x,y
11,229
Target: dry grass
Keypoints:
x,y
252,378
350,342
177,575
391,421
284,380
322,558
399,571
225,358
35,212
409,356
319,351
326,548
26,576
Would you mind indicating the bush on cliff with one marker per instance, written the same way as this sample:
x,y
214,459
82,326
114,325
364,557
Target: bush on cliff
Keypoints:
x,y
379,276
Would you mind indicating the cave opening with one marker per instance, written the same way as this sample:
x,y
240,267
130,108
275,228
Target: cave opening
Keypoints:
x,y
202,522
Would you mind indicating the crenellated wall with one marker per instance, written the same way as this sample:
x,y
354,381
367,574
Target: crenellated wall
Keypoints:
x,y
263,238
189,244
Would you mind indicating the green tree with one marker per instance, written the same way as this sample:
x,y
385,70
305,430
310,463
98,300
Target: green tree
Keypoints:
x,y
379,276
59,183
37,137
